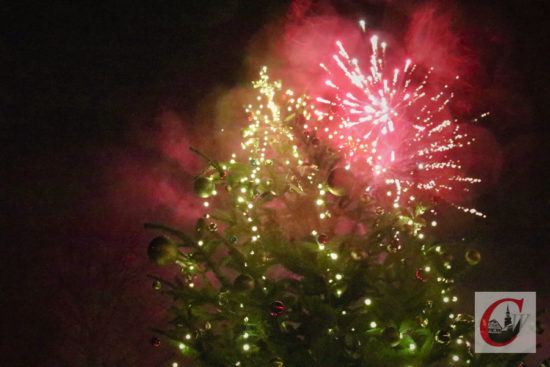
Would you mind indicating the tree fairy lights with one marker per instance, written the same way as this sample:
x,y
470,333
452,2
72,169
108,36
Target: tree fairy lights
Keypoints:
x,y
291,265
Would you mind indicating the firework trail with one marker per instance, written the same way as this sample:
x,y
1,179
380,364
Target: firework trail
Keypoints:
x,y
391,125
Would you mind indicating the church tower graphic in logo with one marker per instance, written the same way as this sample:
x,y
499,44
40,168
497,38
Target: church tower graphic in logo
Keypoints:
x,y
505,322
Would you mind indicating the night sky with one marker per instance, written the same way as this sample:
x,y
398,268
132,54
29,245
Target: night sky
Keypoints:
x,y
97,98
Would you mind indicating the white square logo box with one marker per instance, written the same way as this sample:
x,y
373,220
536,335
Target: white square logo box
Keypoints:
x,y
505,322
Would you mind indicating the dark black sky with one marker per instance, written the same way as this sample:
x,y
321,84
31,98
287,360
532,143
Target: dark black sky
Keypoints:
x,y
78,78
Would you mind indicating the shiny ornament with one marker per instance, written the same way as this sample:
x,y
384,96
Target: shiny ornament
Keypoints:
x,y
244,282
366,198
443,337
233,239
200,226
394,246
322,238
473,257
340,181
212,227
157,285
391,336
421,274
462,318
276,362
266,196
203,187
155,342
276,308
423,322
253,162
223,298
446,256
379,210
162,251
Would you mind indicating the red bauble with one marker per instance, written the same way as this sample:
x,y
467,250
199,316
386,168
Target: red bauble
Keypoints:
x,y
421,274
276,308
155,342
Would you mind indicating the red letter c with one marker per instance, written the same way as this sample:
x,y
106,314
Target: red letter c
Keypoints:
x,y
484,325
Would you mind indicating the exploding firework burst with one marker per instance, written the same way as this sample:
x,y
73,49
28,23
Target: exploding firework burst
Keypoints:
x,y
392,126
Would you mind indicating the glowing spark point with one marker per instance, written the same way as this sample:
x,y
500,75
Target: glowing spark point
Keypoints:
x,y
362,24
391,122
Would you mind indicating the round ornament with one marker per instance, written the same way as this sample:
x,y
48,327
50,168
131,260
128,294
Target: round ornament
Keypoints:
x,y
212,227
340,181
203,187
223,298
155,342
276,362
394,246
322,238
473,257
233,239
423,322
366,198
157,285
443,337
276,308
200,226
421,274
464,319
244,282
391,336
162,251
446,256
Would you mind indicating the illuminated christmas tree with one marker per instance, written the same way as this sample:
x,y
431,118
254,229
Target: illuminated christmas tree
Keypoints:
x,y
315,247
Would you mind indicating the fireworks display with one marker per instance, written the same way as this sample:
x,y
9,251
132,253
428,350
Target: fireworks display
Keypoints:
x,y
392,126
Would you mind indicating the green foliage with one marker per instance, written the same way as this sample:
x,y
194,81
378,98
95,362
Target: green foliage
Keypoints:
x,y
378,293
